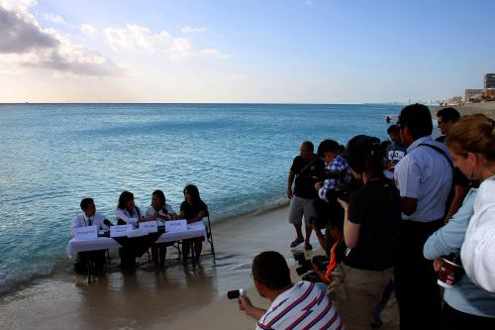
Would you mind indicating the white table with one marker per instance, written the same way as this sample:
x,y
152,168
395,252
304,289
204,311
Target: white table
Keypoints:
x,y
194,230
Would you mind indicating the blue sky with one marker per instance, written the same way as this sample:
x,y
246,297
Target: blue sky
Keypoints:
x,y
248,51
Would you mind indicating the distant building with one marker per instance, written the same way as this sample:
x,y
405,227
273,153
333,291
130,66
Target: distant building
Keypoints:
x,y
490,80
472,93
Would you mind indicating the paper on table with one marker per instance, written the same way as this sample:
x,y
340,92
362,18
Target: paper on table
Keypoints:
x,y
86,233
176,226
136,232
120,230
149,226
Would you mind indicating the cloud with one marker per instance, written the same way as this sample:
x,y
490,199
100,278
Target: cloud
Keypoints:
x,y
18,34
23,42
190,29
57,19
88,29
212,52
139,38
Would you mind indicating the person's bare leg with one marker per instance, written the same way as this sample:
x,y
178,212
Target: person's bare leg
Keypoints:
x,y
300,238
309,230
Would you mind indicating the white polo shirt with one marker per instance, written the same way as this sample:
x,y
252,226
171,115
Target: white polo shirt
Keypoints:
x,y
478,249
426,175
304,306
82,220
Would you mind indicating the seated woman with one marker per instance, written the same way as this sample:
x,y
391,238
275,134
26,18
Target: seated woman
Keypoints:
x,y
127,213
193,209
159,210
89,217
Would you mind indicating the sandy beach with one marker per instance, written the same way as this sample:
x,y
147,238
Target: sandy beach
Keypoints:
x,y
176,298
487,108
170,299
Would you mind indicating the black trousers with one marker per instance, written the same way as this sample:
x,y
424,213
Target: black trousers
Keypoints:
x,y
453,319
418,293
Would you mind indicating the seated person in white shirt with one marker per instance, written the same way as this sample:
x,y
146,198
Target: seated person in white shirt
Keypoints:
x,y
303,305
127,212
89,217
159,208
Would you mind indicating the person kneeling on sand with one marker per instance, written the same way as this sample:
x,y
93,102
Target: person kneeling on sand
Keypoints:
x,y
302,305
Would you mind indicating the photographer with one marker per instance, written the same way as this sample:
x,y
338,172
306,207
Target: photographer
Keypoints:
x,y
371,227
329,213
303,305
470,143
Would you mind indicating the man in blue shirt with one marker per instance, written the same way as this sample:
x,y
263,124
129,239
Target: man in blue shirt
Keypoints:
x,y
424,178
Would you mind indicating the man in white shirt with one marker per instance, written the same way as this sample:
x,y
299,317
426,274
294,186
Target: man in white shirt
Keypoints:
x,y
303,305
424,178
89,217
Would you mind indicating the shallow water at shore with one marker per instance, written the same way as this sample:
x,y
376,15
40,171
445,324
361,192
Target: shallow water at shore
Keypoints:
x,y
238,154
148,298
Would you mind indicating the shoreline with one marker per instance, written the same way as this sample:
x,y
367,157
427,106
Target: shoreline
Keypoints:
x,y
151,298
63,266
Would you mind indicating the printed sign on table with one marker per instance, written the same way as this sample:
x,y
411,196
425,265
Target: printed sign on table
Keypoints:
x,y
86,233
176,226
149,226
120,230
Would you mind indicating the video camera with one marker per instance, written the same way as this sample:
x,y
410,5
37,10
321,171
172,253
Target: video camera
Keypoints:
x,y
305,265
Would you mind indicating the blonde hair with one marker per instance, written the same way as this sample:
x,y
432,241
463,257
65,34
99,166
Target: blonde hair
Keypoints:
x,y
473,133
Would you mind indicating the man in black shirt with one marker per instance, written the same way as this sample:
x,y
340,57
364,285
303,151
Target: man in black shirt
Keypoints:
x,y
305,171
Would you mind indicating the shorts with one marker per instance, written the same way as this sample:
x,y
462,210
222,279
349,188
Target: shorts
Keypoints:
x,y
300,207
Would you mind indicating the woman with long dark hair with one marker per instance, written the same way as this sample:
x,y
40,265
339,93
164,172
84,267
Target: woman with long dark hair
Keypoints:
x,y
127,212
193,209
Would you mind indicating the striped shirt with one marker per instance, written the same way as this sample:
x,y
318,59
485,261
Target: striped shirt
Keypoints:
x,y
304,306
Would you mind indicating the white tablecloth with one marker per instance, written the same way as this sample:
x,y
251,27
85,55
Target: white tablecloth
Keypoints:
x,y
103,243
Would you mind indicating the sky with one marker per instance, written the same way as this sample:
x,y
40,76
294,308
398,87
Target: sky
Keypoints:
x,y
281,51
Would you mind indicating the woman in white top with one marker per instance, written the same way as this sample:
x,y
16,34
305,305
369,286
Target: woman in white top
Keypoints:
x,y
471,142
159,209
127,212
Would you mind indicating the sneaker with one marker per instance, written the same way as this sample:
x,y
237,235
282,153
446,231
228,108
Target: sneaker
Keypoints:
x,y
296,242
308,247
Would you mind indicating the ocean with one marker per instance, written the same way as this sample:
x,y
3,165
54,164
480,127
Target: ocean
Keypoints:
x,y
52,155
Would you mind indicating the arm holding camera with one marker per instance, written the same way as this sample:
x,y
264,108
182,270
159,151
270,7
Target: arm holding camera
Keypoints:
x,y
246,306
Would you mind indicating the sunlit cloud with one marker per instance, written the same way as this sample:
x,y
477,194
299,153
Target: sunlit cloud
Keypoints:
x,y
25,43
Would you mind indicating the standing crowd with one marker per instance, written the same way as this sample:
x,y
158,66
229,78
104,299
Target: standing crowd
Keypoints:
x,y
392,217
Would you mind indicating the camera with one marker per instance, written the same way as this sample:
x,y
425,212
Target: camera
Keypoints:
x,y
235,294
305,265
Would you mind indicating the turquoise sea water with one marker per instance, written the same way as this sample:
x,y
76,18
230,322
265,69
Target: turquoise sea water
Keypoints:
x,y
52,155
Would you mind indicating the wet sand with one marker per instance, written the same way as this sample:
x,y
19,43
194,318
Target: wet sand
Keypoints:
x,y
150,299
176,298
